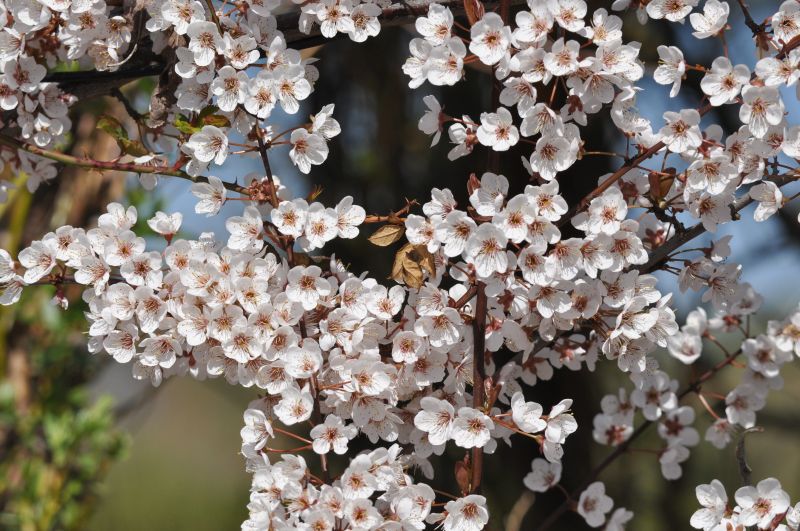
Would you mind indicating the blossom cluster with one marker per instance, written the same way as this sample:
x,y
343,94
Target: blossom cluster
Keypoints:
x,y
352,348
237,64
523,57
765,506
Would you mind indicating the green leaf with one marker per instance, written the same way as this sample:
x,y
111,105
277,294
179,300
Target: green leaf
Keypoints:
x,y
208,111
205,117
183,125
113,127
132,147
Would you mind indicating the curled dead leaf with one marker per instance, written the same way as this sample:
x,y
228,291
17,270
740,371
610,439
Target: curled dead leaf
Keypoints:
x,y
410,265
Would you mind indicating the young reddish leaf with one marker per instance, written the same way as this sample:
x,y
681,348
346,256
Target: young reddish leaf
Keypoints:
x,y
462,474
474,10
473,183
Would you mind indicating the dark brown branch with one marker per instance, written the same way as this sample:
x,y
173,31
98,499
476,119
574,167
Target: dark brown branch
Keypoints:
x,y
745,472
262,149
478,377
479,322
396,15
89,76
661,253
623,447
748,20
146,64
620,173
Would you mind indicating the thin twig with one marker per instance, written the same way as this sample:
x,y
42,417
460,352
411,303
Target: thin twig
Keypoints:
x,y
101,165
748,19
133,113
262,149
624,446
745,472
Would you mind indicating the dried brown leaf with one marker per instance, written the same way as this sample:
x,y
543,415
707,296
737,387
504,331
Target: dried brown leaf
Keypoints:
x,y
425,259
387,235
411,263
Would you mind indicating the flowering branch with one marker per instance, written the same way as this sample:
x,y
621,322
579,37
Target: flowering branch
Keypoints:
x,y
658,147
100,165
623,447
398,14
660,253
